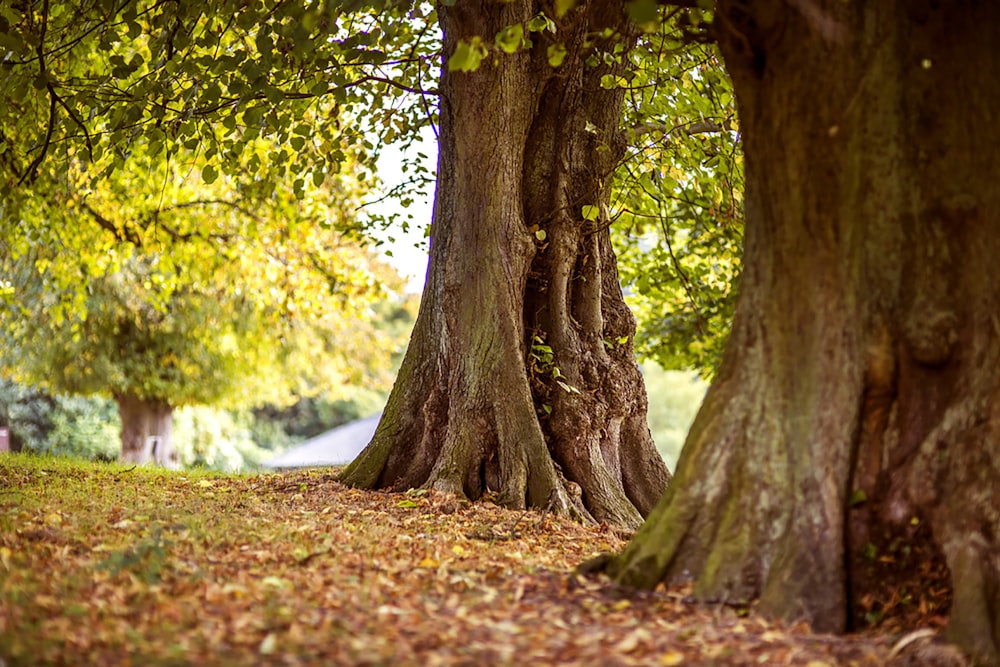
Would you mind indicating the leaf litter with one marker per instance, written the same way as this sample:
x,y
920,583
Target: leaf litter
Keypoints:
x,y
101,565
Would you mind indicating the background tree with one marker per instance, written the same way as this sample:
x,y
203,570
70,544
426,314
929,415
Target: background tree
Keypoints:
x,y
856,403
281,312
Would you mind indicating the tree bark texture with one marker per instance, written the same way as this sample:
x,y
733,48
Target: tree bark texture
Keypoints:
x,y
859,391
147,431
520,379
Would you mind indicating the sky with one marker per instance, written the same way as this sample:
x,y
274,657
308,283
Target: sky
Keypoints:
x,y
409,249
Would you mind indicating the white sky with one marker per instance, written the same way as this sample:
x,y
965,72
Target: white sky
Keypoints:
x,y
409,249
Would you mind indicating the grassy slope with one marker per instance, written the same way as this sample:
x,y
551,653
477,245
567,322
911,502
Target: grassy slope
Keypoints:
x,y
103,565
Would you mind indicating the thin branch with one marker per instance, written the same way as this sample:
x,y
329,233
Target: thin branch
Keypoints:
x,y
76,119
691,129
122,234
210,202
29,174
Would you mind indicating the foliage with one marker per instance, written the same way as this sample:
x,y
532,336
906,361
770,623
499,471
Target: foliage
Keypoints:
x,y
674,399
218,440
110,564
179,193
27,412
85,428
271,92
82,427
678,199
85,83
88,428
171,315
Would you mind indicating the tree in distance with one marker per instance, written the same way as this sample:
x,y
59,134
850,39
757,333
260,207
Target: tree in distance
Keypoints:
x,y
268,318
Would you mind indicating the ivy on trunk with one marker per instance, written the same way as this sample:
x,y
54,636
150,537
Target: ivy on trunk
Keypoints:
x,y
520,378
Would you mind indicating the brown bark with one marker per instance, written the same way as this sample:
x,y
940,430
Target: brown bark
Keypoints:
x,y
866,338
523,147
147,431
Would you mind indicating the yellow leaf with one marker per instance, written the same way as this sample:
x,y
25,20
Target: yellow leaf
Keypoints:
x,y
622,605
275,582
205,483
429,563
5,555
53,519
458,550
672,658
628,644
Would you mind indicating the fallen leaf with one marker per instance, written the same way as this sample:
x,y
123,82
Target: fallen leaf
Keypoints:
x,y
672,659
269,645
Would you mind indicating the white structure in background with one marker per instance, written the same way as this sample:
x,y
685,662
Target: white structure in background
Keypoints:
x,y
336,447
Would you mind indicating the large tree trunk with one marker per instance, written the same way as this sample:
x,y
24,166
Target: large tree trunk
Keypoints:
x,y
520,378
863,359
147,431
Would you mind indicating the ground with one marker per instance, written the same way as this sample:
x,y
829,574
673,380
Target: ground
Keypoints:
x,y
106,565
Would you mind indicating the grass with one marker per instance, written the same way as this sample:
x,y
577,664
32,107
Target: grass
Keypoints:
x,y
106,565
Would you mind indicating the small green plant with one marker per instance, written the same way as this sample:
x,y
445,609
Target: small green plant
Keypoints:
x,y
543,364
146,559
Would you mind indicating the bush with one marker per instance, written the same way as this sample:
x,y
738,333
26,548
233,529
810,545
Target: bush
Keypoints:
x,y
674,399
80,427
218,440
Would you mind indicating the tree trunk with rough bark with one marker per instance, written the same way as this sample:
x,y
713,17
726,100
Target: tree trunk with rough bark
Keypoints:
x,y
859,395
520,378
147,431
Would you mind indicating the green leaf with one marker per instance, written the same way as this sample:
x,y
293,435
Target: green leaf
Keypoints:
x,y
556,54
511,38
611,81
563,6
540,235
644,12
591,212
209,174
406,503
540,22
467,55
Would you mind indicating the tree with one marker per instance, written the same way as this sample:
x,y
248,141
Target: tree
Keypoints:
x,y
856,401
175,320
520,378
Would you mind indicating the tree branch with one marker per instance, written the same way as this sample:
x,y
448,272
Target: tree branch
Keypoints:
x,y
123,234
210,202
29,174
691,129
